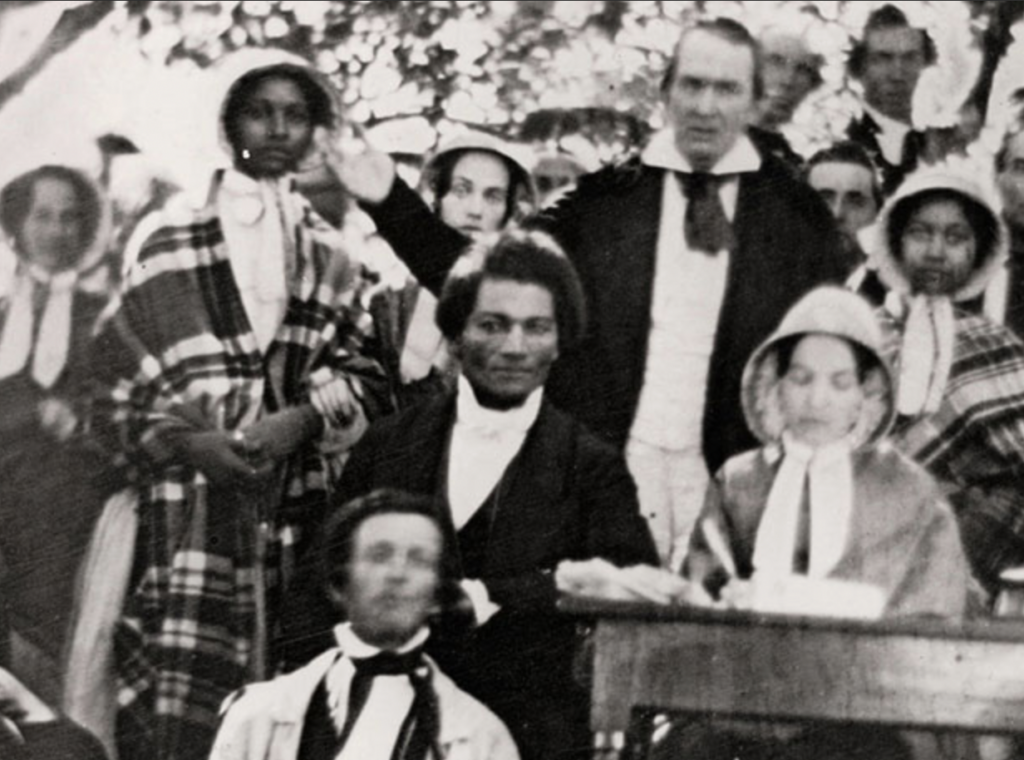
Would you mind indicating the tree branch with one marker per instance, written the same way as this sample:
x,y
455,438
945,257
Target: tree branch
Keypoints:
x,y
73,23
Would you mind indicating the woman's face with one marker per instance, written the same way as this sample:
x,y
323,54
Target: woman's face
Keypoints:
x,y
821,394
51,235
477,200
273,129
939,248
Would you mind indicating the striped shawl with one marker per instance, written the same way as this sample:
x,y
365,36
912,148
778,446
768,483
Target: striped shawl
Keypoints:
x,y
974,443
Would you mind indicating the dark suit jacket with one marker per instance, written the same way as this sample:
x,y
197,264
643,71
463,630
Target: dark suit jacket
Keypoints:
x,y
566,495
864,131
787,243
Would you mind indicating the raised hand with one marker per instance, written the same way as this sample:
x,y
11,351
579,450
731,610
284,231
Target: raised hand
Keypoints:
x,y
367,175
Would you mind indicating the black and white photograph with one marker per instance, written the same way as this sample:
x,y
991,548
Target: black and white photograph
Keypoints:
x,y
512,380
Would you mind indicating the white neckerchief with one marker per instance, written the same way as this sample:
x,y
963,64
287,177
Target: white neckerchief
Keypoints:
x,y
829,473
890,136
926,352
51,344
259,218
380,722
484,442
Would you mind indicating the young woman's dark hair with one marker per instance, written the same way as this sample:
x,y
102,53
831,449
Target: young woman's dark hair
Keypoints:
x,y
443,167
321,110
981,219
865,359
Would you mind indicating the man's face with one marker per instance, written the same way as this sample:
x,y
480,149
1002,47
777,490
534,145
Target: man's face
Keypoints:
x,y
848,189
939,248
894,60
52,231
477,200
393,578
273,129
1011,182
711,99
510,341
790,73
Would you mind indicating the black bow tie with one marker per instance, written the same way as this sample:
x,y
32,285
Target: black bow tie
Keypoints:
x,y
706,227
389,663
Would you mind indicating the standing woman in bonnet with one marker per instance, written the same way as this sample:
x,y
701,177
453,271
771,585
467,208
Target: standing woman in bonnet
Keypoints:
x,y
231,379
52,484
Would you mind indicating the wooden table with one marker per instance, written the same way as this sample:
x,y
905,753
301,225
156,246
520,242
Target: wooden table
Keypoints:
x,y
906,673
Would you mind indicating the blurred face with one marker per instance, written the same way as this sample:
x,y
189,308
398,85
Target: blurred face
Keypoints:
x,y
1011,182
393,578
789,76
273,129
51,233
821,395
509,343
477,200
894,61
848,189
939,248
711,99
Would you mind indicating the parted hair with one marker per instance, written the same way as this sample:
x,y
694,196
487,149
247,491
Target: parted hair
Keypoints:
x,y
730,31
886,17
340,529
321,110
848,152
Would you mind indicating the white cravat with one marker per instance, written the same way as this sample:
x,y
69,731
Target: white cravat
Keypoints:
x,y
828,471
380,721
484,442
258,220
52,342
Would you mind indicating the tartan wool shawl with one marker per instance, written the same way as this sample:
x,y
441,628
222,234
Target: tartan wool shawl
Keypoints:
x,y
179,353
974,443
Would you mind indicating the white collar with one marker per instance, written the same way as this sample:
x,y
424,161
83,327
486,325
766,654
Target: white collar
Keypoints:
x,y
520,419
887,124
353,646
661,153
245,198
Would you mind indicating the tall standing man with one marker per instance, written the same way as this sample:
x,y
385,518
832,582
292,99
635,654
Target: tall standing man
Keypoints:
x,y
687,254
888,62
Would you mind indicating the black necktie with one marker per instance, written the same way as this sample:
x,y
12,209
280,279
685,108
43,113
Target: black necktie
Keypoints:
x,y
706,226
419,732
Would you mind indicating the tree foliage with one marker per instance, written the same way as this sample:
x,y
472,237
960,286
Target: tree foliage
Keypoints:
x,y
495,62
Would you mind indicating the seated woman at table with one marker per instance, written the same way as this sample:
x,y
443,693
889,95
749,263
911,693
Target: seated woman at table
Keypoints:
x,y
826,497
825,518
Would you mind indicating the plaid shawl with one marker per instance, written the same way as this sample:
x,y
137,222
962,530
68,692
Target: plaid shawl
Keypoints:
x,y
180,353
974,443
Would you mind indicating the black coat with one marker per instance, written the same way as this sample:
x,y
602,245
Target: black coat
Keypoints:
x,y
787,243
566,495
